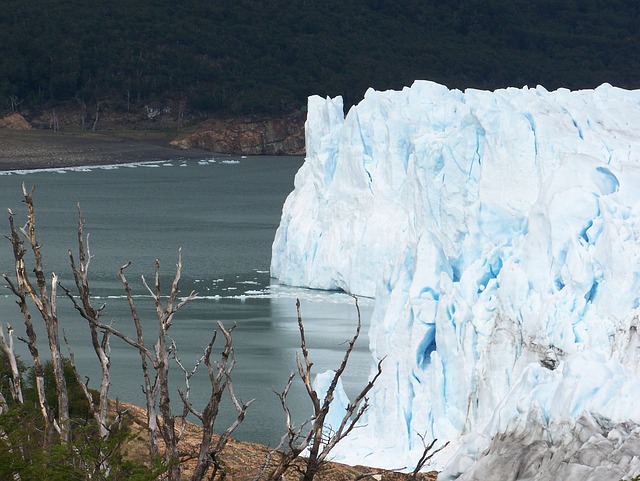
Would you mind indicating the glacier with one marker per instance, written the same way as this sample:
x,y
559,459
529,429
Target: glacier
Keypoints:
x,y
499,233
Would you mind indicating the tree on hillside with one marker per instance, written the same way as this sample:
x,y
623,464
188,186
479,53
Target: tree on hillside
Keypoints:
x,y
243,56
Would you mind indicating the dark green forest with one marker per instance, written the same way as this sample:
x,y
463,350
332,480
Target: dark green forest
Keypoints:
x,y
268,56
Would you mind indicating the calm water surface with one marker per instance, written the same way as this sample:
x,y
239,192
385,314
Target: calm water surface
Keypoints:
x,y
222,213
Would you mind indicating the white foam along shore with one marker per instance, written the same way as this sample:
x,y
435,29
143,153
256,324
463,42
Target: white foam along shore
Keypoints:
x,y
122,165
499,233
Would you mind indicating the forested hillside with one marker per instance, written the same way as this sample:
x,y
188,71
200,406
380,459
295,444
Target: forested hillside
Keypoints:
x,y
267,56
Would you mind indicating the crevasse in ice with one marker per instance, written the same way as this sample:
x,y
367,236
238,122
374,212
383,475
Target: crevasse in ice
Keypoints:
x,y
499,233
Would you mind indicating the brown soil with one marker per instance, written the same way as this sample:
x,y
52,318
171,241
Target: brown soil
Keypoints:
x,y
37,149
243,461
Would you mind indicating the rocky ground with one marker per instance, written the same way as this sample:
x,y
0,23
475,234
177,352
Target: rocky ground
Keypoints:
x,y
249,135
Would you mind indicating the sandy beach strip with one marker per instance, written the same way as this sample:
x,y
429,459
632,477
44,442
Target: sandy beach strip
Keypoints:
x,y
40,149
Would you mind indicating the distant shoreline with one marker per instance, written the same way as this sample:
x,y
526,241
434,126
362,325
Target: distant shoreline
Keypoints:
x,y
43,149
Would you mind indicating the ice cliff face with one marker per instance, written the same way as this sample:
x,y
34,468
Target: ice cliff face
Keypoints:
x,y
499,233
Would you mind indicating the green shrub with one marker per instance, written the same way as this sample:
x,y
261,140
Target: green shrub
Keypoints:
x,y
78,404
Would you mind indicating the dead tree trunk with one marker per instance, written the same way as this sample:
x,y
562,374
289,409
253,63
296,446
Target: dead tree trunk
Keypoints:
x,y
20,289
219,381
161,362
95,119
15,102
15,384
146,356
157,392
92,315
46,305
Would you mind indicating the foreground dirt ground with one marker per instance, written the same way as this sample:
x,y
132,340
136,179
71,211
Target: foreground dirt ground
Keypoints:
x,y
243,461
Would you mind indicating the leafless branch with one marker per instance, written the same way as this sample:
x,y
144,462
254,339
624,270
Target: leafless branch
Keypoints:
x,y
427,454
319,440
219,380
84,385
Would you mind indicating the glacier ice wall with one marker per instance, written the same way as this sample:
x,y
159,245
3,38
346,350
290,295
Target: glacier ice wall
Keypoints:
x,y
499,233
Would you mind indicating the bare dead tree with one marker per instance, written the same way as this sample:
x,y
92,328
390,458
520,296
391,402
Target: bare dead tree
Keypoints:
x,y
15,384
46,306
95,119
219,381
312,439
145,356
55,123
182,106
155,367
15,102
99,342
155,361
157,392
83,115
45,302
160,362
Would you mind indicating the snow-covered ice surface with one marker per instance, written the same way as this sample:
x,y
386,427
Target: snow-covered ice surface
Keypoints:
x,y
499,234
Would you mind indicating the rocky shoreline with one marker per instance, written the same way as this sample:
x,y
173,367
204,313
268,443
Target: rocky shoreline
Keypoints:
x,y
249,135
40,149
60,138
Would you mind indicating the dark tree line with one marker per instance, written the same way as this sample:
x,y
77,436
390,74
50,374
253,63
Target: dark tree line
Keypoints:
x,y
240,56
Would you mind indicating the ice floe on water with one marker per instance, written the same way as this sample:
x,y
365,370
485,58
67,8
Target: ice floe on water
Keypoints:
x,y
127,165
207,161
84,168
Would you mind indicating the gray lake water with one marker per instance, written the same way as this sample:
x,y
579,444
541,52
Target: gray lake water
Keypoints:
x,y
223,214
